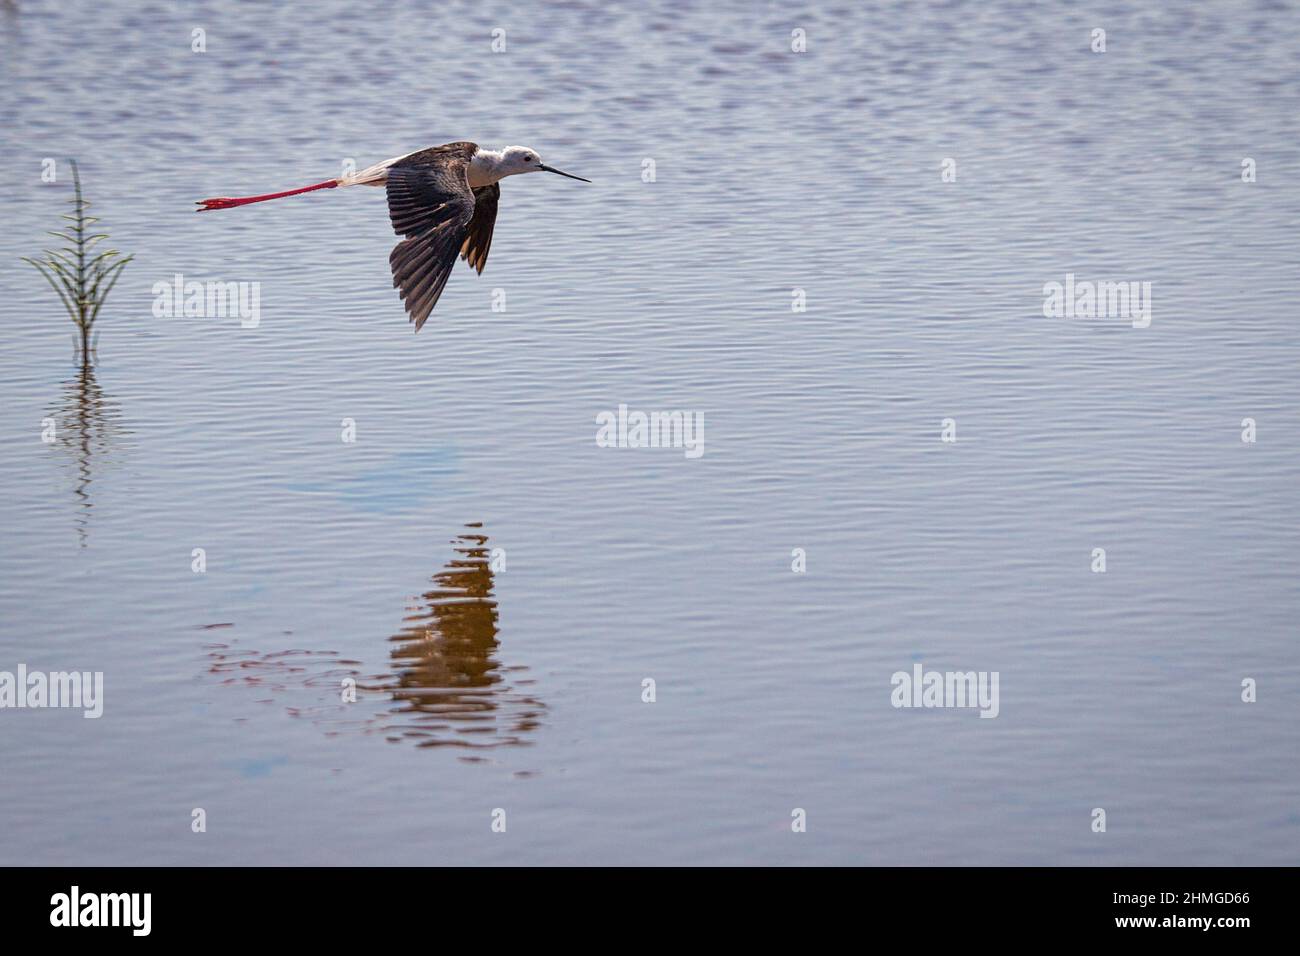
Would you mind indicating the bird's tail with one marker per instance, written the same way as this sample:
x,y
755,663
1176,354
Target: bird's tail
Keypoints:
x,y
229,202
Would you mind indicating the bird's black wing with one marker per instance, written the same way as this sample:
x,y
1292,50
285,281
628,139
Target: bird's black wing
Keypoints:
x,y
429,202
478,238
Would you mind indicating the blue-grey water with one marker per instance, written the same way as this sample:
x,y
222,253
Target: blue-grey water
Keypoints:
x,y
495,587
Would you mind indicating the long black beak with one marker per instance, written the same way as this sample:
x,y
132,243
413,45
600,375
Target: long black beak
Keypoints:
x,y
551,169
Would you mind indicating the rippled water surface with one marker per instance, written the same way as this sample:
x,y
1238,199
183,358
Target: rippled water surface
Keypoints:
x,y
456,612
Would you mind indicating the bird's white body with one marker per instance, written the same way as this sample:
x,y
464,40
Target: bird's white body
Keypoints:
x,y
376,175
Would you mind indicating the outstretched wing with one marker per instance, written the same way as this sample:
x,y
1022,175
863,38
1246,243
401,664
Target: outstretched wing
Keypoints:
x,y
429,202
478,239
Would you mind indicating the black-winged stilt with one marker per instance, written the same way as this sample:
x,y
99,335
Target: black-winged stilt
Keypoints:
x,y
443,199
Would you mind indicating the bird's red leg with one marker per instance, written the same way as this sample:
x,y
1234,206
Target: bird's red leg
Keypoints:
x,y
228,202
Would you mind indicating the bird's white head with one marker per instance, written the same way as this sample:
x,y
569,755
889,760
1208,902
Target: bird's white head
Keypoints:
x,y
519,159
489,167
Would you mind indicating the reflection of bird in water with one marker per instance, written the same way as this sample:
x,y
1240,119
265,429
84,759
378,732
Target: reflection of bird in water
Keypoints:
x,y
444,686
85,424
450,688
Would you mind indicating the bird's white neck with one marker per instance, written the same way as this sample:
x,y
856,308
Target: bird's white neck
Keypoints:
x,y
485,168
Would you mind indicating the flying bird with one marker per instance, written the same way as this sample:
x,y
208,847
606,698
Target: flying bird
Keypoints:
x,y
442,199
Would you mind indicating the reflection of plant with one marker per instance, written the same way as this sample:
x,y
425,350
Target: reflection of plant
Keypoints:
x,y
88,425
82,283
